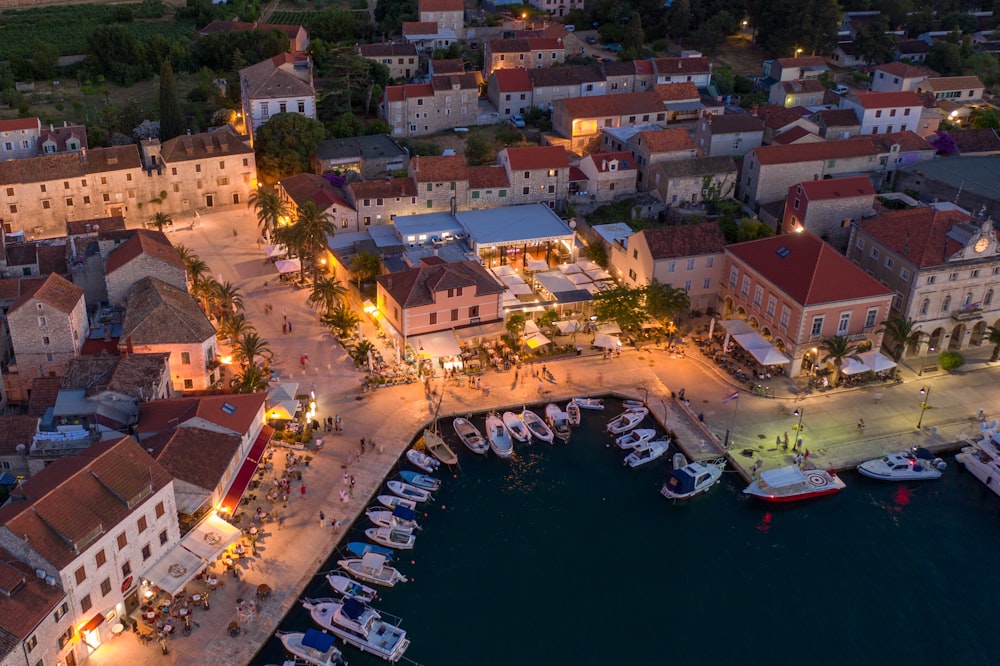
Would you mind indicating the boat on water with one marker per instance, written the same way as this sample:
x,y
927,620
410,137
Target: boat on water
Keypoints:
x,y
359,625
360,548
406,491
347,587
372,568
917,464
392,537
632,439
589,403
498,436
313,647
420,480
982,460
400,516
626,421
436,446
470,436
789,484
633,405
391,502
647,452
515,426
423,461
558,420
573,413
537,426
690,479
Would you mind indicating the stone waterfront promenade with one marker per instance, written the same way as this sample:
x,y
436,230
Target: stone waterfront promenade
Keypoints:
x,y
289,555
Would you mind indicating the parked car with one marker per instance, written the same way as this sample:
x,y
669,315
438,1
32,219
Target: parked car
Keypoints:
x,y
591,39
614,47
841,89
570,27
518,120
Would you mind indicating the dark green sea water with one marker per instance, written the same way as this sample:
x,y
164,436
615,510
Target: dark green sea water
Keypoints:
x,y
563,556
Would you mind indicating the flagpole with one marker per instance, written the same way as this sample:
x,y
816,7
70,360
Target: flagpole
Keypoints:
x,y
732,424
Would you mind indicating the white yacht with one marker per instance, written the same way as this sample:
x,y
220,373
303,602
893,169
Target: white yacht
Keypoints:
x,y
359,625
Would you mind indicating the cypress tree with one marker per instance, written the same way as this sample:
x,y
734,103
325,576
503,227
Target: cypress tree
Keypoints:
x,y
171,121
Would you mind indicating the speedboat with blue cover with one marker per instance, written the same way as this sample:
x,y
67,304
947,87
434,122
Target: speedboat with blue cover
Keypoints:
x,y
692,479
359,625
420,480
313,647
401,517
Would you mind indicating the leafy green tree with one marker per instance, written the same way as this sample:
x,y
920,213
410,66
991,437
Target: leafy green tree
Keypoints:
x,y
515,325
365,266
596,253
872,43
623,305
226,300
269,208
986,66
993,337
44,60
285,145
359,353
333,24
666,302
950,360
985,119
171,120
836,350
160,220
678,18
233,328
902,333
326,293
945,58
341,320
345,125
378,127
634,37
478,149
116,52
193,264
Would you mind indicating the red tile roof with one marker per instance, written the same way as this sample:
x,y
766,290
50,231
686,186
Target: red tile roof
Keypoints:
x,y
388,188
671,66
159,415
408,91
95,225
808,270
526,45
537,157
448,66
20,124
386,50
688,240
196,456
439,168
142,242
26,602
665,140
484,177
886,100
919,234
835,188
799,86
44,391
676,92
792,136
15,431
613,105
905,71
777,117
831,150
514,79
55,291
420,28
602,161
730,123
417,286
441,5
836,118
305,187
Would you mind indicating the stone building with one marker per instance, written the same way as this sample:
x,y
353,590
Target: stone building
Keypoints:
x,y
828,207
145,254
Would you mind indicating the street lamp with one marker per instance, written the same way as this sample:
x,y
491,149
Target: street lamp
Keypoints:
x,y
798,50
798,428
925,394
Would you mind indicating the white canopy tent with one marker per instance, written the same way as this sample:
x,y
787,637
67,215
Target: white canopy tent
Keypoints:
x,y
288,265
173,571
442,343
210,537
537,265
769,356
876,361
852,367
609,328
607,341
536,340
530,327
271,251
567,327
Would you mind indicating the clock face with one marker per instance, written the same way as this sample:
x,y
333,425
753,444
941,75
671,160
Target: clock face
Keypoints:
x,y
982,244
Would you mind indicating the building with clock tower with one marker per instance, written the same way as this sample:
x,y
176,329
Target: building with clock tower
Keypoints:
x,y
944,267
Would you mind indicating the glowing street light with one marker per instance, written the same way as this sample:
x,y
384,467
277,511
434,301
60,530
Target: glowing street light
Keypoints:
x,y
798,428
925,394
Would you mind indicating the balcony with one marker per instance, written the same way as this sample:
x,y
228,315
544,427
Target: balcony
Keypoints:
x,y
968,313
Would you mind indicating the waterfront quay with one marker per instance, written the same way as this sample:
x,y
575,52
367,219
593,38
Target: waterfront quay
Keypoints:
x,y
289,556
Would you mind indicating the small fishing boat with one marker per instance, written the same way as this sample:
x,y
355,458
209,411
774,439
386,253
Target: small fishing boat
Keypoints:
x,y
313,647
360,548
515,426
558,420
500,441
915,465
400,516
391,502
537,426
626,421
423,461
392,537
359,625
573,413
406,491
647,452
346,587
689,479
470,436
436,446
788,484
421,480
634,438
633,405
589,403
372,568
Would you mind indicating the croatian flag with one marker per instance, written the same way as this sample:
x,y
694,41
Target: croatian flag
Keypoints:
x,y
732,396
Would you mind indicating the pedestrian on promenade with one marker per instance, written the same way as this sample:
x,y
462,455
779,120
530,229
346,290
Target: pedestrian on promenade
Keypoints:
x,y
302,489
289,327
284,328
516,374
352,486
785,441
362,446
343,495
281,522
805,456
486,391
861,426
541,387
322,519
284,314
777,442
347,478
756,466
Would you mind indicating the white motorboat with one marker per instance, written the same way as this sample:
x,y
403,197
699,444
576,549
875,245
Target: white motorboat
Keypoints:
x,y
346,587
573,413
400,516
498,436
313,647
633,405
470,436
421,481
686,481
589,403
626,421
515,426
915,465
392,537
634,438
359,625
372,568
436,446
391,502
647,452
788,484
406,491
558,420
982,460
423,461
537,426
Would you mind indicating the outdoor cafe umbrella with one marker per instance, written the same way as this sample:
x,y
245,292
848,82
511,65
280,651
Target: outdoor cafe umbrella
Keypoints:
x,y
876,361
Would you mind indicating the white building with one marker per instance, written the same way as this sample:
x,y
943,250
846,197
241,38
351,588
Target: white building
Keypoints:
x,y
282,84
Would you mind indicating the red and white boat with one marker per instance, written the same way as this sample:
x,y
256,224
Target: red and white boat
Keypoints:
x,y
790,484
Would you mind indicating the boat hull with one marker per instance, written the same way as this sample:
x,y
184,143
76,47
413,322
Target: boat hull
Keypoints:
x,y
422,461
470,436
436,446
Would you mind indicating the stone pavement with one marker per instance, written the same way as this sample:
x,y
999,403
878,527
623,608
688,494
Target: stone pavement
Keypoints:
x,y
391,417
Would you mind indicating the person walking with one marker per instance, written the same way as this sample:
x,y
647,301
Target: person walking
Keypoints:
x,y
861,426
322,519
302,489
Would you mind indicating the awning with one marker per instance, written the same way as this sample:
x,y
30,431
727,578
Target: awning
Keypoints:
x,y
609,328
92,623
876,361
7,479
246,471
173,571
607,341
442,343
736,326
567,327
536,340
769,356
288,265
852,367
210,537
492,329
537,265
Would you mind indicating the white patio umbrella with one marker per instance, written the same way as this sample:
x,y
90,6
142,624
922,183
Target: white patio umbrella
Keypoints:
x,y
877,361
607,341
852,367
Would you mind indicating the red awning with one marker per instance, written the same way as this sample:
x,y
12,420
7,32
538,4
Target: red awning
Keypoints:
x,y
242,479
92,623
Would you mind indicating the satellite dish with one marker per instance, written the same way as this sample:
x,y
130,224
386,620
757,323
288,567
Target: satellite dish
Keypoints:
x,y
572,223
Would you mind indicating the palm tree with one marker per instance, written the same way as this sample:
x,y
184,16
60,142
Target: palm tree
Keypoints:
x,y
341,319
195,267
903,332
993,337
232,328
837,349
326,293
202,287
160,220
365,266
249,346
269,208
359,353
312,232
251,380
226,299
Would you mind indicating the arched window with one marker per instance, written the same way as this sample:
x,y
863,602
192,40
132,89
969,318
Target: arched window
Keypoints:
x,y
924,305
988,299
946,304
967,301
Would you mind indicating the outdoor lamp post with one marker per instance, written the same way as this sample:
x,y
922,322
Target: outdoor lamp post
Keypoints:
x,y
798,428
925,394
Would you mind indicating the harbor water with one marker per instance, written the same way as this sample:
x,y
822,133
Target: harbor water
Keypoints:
x,y
563,556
